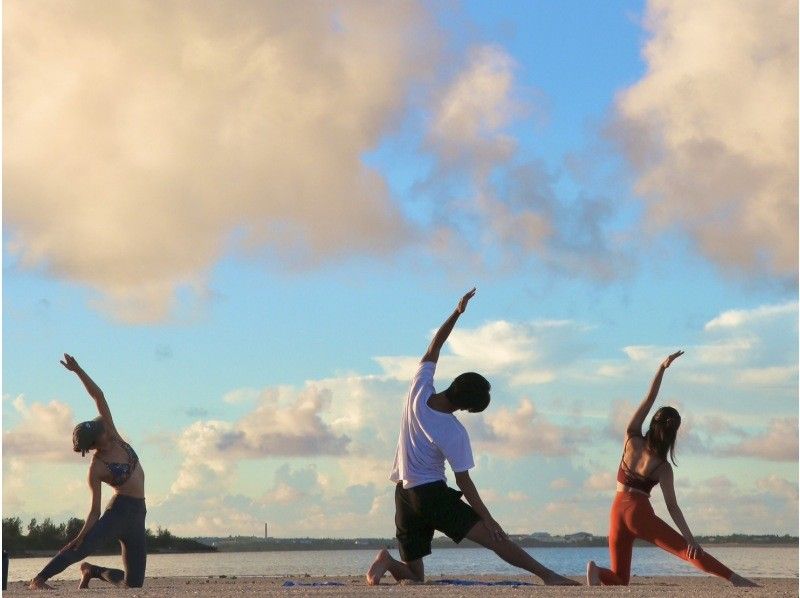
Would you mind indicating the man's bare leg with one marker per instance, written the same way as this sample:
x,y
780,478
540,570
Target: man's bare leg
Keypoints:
x,y
513,554
384,562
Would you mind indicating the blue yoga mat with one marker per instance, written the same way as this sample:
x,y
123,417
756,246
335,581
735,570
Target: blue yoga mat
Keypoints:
x,y
290,584
473,582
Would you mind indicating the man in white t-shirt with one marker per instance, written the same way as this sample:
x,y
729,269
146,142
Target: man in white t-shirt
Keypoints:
x,y
430,435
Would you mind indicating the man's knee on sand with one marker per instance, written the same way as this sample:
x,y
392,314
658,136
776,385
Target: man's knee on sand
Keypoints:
x,y
417,570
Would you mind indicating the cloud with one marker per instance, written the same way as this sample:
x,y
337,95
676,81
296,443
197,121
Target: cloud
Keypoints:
x,y
15,482
522,353
283,423
300,501
560,484
472,113
737,318
777,443
44,432
769,376
718,505
514,433
504,226
603,481
711,129
144,141
778,486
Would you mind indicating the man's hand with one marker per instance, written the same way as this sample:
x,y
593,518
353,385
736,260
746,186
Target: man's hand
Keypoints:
x,y
70,363
495,530
666,363
462,305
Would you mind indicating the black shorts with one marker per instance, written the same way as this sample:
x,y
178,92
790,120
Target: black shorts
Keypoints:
x,y
422,509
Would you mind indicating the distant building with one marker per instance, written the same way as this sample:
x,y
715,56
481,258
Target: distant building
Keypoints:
x,y
266,531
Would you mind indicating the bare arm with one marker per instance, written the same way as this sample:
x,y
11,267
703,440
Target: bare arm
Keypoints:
x,y
432,354
635,425
667,482
94,391
94,511
466,485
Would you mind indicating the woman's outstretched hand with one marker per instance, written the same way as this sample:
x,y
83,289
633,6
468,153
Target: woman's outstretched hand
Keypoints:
x,y
666,363
694,550
462,304
70,363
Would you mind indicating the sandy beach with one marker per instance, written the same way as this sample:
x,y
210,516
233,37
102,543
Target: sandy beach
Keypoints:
x,y
197,587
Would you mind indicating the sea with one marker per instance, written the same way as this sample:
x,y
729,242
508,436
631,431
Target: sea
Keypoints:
x,y
751,561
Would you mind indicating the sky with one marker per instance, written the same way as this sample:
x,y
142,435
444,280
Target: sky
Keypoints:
x,y
247,221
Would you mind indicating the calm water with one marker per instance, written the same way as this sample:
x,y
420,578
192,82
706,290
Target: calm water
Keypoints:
x,y
753,561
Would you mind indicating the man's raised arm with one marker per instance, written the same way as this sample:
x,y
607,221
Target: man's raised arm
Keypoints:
x,y
432,354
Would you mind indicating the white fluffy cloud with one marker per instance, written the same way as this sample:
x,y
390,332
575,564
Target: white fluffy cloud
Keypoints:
x,y
520,353
737,318
44,432
521,431
283,423
718,505
142,141
777,443
711,129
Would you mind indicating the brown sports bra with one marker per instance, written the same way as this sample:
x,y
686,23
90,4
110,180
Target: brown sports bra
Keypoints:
x,y
625,475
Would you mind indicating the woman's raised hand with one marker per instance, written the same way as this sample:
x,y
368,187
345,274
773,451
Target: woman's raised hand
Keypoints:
x,y
666,363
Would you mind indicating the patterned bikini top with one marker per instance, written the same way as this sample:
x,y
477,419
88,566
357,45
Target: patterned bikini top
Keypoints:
x,y
121,472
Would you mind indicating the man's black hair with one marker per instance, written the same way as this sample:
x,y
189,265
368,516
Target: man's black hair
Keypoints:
x,y
469,391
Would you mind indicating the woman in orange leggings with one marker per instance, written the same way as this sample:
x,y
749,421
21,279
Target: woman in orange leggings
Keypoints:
x,y
643,465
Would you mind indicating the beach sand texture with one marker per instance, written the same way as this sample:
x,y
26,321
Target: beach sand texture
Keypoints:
x,y
198,587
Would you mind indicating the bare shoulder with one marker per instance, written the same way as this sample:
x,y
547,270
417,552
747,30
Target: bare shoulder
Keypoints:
x,y
635,441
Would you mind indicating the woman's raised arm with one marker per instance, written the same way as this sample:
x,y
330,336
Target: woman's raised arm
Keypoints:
x,y
635,425
94,391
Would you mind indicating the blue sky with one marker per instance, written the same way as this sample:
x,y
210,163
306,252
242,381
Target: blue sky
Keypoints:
x,y
249,228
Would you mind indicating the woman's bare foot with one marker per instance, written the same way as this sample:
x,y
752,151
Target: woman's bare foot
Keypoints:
x,y
38,584
742,582
86,575
379,567
554,579
592,574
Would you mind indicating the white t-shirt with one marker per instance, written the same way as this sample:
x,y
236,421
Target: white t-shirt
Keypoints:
x,y
428,437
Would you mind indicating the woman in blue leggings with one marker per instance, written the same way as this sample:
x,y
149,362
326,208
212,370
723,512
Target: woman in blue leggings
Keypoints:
x,y
115,463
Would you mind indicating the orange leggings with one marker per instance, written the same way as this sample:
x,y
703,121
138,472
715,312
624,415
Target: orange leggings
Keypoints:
x,y
632,517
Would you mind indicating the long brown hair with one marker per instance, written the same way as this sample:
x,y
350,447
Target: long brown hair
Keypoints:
x,y
663,431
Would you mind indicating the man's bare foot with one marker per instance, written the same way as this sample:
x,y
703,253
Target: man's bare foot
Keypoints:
x,y
86,575
742,582
554,579
378,567
38,584
592,574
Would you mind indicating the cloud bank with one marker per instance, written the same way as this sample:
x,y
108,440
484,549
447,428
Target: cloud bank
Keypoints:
x,y
142,143
711,129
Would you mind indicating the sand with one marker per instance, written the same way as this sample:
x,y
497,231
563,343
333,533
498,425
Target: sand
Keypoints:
x,y
230,587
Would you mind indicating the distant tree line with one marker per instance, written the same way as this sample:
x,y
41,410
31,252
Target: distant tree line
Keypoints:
x,y
46,536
